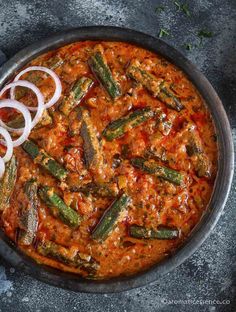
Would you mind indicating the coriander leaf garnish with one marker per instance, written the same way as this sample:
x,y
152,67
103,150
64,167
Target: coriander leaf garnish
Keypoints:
x,y
178,5
185,9
163,33
159,9
205,34
188,46
182,7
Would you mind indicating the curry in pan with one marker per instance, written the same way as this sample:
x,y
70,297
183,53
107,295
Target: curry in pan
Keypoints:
x,y
114,175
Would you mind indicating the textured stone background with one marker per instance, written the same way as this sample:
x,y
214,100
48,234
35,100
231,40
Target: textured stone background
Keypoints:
x,y
211,272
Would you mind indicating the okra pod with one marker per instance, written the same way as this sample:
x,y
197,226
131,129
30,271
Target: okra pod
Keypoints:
x,y
149,81
33,77
22,91
54,62
200,160
78,91
202,166
28,219
167,96
7,183
58,207
162,232
19,121
110,218
42,158
151,167
45,120
103,73
158,87
119,127
92,150
95,189
64,255
192,147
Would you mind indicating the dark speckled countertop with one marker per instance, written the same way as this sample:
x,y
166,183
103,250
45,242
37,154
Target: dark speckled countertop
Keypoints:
x,y
208,278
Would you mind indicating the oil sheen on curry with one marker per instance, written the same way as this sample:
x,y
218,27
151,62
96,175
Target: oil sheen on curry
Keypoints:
x,y
117,174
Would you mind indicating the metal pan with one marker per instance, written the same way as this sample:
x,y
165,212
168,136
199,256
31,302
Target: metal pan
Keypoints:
x,y
12,254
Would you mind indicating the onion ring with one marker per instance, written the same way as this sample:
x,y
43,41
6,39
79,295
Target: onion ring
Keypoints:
x,y
9,144
2,167
40,98
26,114
58,87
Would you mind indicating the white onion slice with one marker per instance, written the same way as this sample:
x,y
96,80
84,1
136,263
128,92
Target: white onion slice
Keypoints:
x,y
2,167
58,87
39,108
9,144
26,114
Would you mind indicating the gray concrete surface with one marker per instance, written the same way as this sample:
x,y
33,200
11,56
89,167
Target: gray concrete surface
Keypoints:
x,y
210,274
